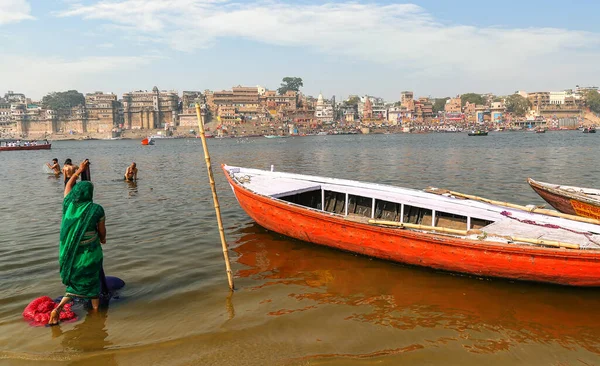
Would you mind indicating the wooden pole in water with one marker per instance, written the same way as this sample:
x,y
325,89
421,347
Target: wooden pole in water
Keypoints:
x,y
214,194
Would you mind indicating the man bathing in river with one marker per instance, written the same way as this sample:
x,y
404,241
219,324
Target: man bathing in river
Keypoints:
x,y
131,173
68,170
55,166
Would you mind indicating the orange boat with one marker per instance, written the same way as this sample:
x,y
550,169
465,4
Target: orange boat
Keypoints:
x,y
420,228
568,199
148,141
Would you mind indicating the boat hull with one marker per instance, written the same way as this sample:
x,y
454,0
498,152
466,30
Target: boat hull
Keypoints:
x,y
35,147
569,204
473,257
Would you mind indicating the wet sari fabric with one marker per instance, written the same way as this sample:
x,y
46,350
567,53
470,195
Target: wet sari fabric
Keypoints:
x,y
80,252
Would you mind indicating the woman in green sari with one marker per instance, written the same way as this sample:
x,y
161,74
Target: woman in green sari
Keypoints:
x,y
81,234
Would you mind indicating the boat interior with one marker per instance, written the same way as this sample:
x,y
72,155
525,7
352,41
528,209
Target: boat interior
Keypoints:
x,y
411,209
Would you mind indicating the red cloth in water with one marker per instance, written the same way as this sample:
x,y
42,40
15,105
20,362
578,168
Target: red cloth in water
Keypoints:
x,y
38,311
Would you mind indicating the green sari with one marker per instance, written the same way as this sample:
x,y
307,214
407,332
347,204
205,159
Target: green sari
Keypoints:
x,y
80,253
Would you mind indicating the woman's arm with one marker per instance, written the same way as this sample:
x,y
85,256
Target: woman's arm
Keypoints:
x,y
102,232
135,174
73,178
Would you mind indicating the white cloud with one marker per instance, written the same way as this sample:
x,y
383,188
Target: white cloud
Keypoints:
x,y
14,11
402,35
37,74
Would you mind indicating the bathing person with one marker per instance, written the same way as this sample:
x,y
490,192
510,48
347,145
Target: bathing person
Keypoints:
x,y
131,173
55,166
80,252
68,170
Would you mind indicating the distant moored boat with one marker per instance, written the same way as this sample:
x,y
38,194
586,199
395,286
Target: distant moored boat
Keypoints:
x,y
478,133
12,146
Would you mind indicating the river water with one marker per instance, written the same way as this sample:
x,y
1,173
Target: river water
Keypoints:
x,y
295,303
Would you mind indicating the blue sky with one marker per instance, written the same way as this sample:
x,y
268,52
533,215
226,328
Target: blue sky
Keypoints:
x,y
433,47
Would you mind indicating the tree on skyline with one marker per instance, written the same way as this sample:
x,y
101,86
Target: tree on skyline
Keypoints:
x,y
290,83
352,100
472,98
439,104
63,100
517,104
592,100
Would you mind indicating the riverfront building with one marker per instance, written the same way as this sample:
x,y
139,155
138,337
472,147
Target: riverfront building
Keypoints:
x,y
453,105
323,110
102,111
187,118
148,110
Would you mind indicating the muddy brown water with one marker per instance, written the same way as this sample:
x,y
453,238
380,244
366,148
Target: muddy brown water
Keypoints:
x,y
295,303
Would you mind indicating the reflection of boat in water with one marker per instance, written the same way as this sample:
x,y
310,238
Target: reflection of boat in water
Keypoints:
x,y
492,318
568,199
420,228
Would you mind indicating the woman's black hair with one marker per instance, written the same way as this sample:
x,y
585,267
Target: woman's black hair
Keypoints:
x,y
68,161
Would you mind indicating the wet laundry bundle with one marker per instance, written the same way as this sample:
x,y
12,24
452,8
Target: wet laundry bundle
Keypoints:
x,y
38,311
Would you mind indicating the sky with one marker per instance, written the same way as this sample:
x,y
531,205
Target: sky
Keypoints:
x,y
435,48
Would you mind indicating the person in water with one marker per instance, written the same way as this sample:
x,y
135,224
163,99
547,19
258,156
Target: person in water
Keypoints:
x,y
131,173
55,166
80,252
68,170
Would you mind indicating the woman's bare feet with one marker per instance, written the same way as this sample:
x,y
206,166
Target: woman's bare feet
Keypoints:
x,y
54,317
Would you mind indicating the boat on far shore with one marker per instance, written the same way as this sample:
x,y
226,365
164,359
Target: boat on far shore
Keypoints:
x,y
24,145
148,141
274,136
589,130
478,133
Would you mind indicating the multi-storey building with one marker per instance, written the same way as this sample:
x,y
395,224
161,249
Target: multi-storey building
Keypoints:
x,y
4,113
423,108
12,97
407,100
148,110
274,101
497,110
188,117
323,110
102,110
241,103
538,100
367,109
453,105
